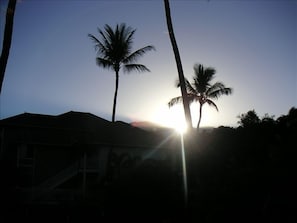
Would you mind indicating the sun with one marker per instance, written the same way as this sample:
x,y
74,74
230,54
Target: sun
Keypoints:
x,y
179,122
181,128
172,117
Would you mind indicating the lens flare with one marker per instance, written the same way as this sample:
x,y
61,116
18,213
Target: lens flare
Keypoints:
x,y
185,180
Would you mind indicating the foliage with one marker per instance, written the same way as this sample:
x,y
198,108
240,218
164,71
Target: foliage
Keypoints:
x,y
246,171
201,90
243,174
249,119
114,51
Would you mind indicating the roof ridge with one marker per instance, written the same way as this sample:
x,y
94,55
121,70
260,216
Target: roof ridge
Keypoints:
x,y
82,113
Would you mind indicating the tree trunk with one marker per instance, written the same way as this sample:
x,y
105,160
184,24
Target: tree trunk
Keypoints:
x,y
115,96
179,66
6,39
200,116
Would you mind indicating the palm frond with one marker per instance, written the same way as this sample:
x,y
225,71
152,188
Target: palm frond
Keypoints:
x,y
124,39
209,73
218,89
133,57
114,48
202,77
132,67
114,42
127,34
92,37
108,34
193,97
179,99
99,47
102,62
211,103
107,37
175,101
190,88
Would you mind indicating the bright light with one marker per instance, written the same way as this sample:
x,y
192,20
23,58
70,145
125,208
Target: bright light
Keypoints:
x,y
180,126
185,181
173,117
177,117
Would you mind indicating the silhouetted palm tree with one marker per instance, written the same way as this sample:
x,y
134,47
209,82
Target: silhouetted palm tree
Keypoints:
x,y
7,39
202,90
178,65
114,50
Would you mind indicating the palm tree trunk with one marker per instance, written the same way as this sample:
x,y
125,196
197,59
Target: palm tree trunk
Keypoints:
x,y
7,39
200,116
179,66
115,96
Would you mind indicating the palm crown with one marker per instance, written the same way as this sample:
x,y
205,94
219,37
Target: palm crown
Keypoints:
x,y
114,50
201,90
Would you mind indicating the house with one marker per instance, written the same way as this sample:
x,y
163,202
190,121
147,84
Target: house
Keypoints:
x,y
78,157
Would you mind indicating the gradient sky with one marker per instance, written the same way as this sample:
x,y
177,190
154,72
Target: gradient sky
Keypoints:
x,y
52,69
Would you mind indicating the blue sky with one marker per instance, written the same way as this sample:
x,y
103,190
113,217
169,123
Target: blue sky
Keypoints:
x,y
52,69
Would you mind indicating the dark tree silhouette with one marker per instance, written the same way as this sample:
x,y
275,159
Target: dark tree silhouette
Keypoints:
x,y
248,119
7,39
114,50
179,66
202,90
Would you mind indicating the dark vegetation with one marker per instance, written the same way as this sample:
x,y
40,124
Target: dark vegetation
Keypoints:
x,y
243,174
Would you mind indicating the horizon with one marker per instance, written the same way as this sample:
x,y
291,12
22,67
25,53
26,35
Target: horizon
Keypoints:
x,y
141,123
51,67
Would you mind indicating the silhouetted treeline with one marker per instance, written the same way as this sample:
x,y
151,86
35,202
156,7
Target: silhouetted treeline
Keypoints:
x,y
245,174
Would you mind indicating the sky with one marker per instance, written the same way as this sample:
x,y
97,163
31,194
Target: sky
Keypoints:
x,y
52,69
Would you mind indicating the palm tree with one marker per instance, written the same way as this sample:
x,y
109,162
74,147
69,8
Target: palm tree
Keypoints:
x,y
114,50
178,65
202,90
7,39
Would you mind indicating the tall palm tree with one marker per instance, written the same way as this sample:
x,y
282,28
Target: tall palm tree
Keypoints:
x,y
178,65
7,39
201,90
114,50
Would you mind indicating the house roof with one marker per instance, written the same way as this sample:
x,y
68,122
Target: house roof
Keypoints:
x,y
79,127
72,119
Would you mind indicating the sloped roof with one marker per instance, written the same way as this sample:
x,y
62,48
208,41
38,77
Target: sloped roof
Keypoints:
x,y
83,128
72,119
